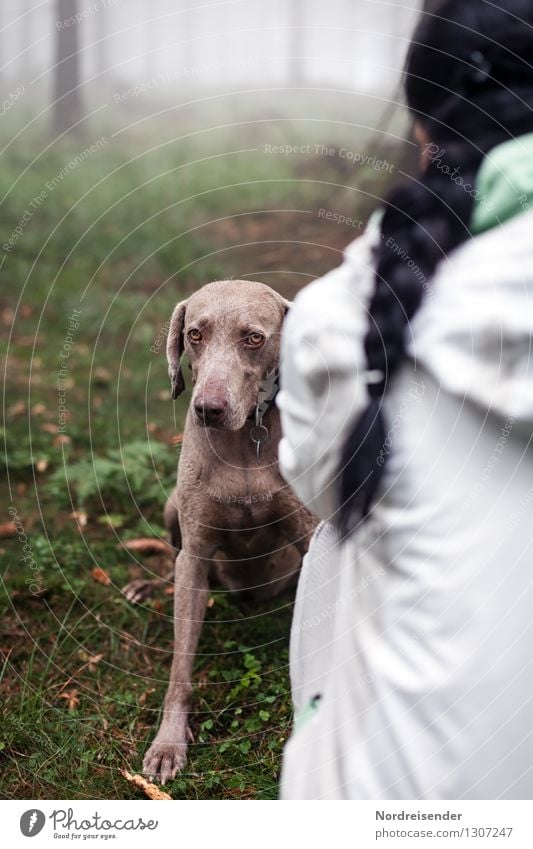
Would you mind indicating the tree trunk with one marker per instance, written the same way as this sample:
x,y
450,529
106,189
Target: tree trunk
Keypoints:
x,y
100,47
3,44
67,105
26,39
296,41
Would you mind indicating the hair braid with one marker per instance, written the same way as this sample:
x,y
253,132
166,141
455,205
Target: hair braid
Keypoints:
x,y
427,218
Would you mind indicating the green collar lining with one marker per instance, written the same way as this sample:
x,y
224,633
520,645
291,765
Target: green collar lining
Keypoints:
x,y
504,185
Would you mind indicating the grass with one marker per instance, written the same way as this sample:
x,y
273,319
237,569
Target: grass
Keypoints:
x,y
121,237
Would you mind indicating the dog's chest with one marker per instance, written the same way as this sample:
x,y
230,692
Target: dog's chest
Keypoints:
x,y
244,497
231,491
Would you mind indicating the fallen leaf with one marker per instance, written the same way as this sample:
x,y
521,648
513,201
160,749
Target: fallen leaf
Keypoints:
x,y
100,576
7,316
178,439
8,529
165,437
48,427
41,465
80,516
101,376
144,696
210,602
91,660
30,341
62,439
38,409
72,698
149,789
17,409
147,545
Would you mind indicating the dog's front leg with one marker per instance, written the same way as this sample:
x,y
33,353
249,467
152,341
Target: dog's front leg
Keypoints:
x,y
168,753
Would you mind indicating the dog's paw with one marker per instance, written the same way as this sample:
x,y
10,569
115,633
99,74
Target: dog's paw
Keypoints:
x,y
163,760
140,589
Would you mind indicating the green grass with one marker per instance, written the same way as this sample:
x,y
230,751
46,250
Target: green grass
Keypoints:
x,y
122,237
54,749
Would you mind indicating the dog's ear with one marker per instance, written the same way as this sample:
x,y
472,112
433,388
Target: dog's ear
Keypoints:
x,y
286,305
175,346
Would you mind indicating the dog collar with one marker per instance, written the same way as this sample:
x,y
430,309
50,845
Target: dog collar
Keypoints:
x,y
268,389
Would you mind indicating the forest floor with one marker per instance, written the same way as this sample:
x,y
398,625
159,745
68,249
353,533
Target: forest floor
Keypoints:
x,y
84,672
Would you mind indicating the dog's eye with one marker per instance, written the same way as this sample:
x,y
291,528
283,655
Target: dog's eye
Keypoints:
x,y
254,340
194,336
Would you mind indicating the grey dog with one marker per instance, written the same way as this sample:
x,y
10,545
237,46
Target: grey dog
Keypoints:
x,y
232,518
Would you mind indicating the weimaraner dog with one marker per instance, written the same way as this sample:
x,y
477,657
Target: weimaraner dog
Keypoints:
x,y
231,516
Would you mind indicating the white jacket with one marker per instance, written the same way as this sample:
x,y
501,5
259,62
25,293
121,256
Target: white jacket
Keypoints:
x,y
417,632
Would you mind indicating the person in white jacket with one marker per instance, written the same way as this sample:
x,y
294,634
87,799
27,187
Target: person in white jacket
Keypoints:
x,y
407,413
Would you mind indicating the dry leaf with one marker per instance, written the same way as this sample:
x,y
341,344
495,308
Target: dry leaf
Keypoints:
x,y
178,439
90,659
144,696
149,789
62,439
30,341
7,316
41,465
8,529
211,602
17,409
72,697
100,576
147,545
101,376
80,516
48,427
38,409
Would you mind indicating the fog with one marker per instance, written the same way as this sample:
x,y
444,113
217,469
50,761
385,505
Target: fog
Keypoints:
x,y
136,53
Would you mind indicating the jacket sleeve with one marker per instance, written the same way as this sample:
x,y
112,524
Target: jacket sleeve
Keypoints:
x,y
323,387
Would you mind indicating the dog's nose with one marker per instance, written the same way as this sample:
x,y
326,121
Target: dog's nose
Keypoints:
x,y
210,410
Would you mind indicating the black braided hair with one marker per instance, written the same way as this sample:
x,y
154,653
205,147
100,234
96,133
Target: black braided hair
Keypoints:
x,y
469,84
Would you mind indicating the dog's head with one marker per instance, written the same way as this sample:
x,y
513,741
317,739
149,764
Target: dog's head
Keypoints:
x,y
230,331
